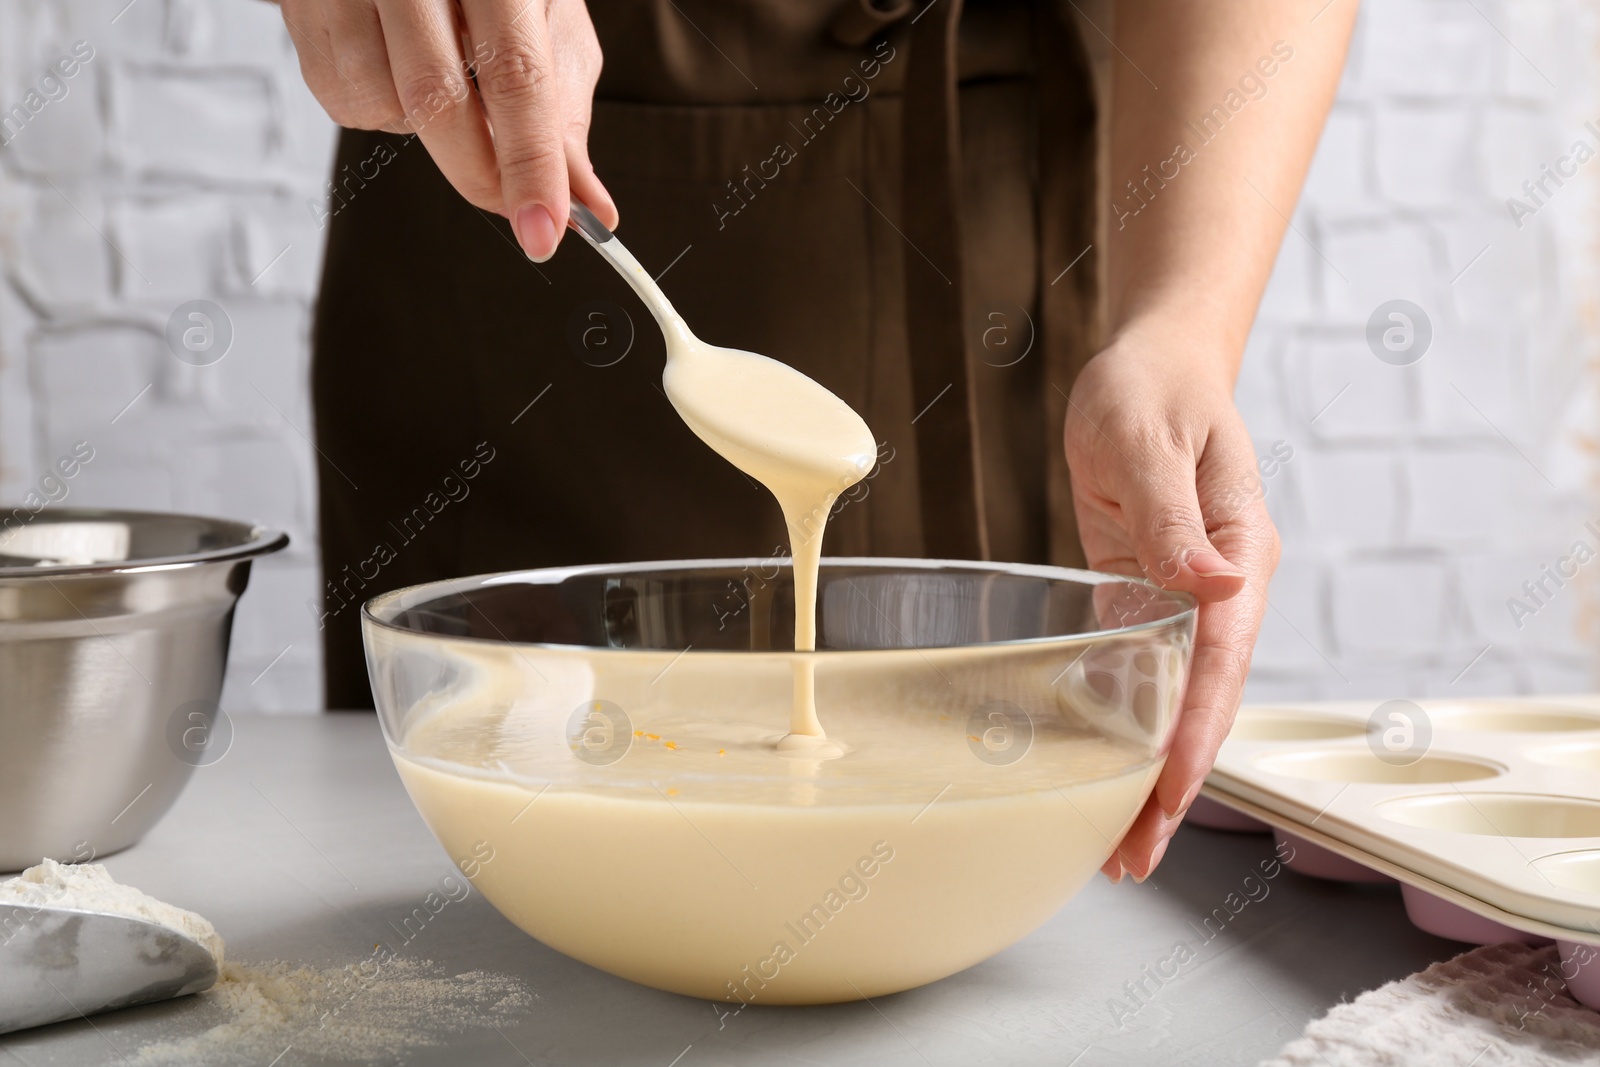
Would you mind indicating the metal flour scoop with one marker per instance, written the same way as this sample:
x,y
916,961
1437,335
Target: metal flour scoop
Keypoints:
x,y
59,962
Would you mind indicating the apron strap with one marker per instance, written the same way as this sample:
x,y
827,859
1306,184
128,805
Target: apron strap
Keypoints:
x,y
949,471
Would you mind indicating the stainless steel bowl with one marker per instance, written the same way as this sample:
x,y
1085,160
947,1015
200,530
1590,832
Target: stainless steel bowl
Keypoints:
x,y
114,631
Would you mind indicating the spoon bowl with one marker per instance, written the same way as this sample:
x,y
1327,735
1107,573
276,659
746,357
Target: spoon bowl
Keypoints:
x,y
765,417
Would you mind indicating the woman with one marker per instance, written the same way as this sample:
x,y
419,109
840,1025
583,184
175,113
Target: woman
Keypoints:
x,y
991,231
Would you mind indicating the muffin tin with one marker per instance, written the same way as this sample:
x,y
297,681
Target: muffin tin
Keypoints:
x,y
1486,811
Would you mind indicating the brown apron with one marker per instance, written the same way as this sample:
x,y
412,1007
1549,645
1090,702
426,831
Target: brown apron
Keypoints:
x,y
888,205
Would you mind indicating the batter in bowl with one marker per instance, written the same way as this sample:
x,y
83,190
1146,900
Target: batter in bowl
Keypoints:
x,y
691,865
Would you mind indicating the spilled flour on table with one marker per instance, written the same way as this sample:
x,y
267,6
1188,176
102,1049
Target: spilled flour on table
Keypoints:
x,y
283,1014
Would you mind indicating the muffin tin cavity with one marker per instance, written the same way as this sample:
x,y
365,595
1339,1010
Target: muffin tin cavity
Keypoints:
x,y
1441,918
1580,968
1361,765
1577,755
1497,814
1510,717
1293,726
1579,871
1307,857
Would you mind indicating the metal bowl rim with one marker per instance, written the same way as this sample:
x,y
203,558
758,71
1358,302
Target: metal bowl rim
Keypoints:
x,y
262,540
551,575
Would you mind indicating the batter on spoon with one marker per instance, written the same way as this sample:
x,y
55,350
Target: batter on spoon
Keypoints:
x,y
776,425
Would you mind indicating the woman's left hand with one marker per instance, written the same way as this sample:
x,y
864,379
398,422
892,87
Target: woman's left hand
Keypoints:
x,y
1165,485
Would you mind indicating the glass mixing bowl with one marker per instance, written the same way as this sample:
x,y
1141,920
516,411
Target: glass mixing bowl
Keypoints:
x,y
595,747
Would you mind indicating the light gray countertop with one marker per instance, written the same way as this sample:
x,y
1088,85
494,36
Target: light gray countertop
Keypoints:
x,y
301,845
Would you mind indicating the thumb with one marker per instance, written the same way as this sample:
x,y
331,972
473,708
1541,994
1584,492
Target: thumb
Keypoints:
x,y
1169,535
579,61
585,184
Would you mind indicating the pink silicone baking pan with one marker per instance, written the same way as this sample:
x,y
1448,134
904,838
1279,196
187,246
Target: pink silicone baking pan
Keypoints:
x,y
1486,811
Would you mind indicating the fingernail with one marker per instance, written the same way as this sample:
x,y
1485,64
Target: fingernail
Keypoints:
x,y
536,232
1208,564
608,203
1155,858
1185,803
1115,879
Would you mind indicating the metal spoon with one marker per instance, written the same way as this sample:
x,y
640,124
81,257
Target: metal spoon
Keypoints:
x,y
712,388
778,426
605,242
59,963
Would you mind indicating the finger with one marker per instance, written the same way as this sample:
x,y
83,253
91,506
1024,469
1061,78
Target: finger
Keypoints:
x,y
1223,642
578,61
436,99
524,103
362,63
1141,848
1162,511
308,29
1226,632
1224,639
586,187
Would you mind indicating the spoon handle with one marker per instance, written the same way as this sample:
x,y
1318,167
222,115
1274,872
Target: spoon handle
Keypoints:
x,y
605,242
584,222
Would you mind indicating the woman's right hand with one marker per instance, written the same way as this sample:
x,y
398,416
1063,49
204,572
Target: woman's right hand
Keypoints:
x,y
516,143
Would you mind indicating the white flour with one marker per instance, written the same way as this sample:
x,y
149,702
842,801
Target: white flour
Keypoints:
x,y
277,1012
90,887
281,1014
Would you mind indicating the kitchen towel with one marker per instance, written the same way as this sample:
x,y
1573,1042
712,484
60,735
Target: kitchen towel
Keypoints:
x,y
1492,1007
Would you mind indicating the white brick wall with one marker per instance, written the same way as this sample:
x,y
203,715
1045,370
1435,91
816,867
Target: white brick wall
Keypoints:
x,y
1422,498
176,168
178,165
